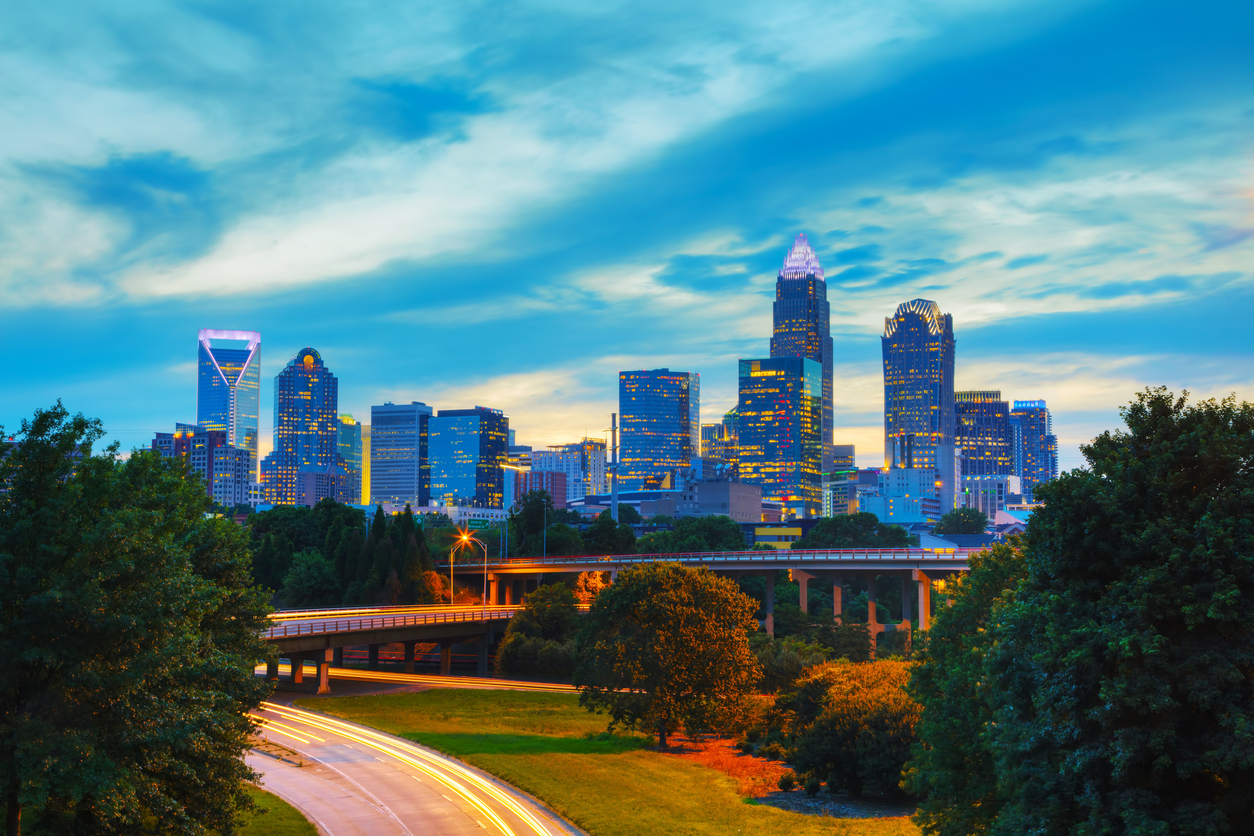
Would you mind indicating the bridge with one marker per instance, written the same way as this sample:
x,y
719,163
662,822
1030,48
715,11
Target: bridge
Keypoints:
x,y
510,579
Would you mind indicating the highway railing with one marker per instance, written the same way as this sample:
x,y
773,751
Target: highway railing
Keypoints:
x,y
776,556
380,622
329,612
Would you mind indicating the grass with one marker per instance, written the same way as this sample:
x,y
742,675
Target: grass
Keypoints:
x,y
610,785
280,818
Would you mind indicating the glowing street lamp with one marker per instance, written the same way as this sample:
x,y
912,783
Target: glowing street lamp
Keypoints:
x,y
464,538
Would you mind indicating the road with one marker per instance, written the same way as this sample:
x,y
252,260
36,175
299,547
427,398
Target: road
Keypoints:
x,y
367,783
395,678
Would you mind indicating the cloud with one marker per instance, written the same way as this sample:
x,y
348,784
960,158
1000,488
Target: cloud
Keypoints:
x,y
1026,261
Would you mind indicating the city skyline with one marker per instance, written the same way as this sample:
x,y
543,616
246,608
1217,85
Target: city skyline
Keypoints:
x,y
1066,213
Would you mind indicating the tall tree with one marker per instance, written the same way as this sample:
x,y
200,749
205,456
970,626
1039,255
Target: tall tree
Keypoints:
x,y
129,628
855,531
695,534
605,536
527,522
962,521
667,646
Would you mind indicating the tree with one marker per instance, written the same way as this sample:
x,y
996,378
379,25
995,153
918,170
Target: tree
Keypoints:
x,y
667,646
605,536
628,514
953,769
563,540
855,531
129,628
538,638
962,521
695,534
311,582
527,522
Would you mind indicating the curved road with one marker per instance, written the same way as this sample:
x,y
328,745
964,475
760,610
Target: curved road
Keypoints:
x,y
367,783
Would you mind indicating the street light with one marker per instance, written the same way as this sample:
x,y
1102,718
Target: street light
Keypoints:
x,y
464,540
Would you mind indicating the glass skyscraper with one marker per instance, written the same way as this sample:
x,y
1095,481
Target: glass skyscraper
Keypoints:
x,y
1038,446
348,446
306,426
466,449
228,388
781,417
660,415
398,453
803,323
982,433
919,425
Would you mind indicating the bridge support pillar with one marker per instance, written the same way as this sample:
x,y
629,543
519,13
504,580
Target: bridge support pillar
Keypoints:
x,y
838,594
803,580
768,606
494,589
409,656
484,641
324,672
446,658
925,598
298,669
374,656
272,670
872,616
906,581
337,657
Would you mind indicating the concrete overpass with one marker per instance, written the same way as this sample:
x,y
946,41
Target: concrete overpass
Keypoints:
x,y
917,569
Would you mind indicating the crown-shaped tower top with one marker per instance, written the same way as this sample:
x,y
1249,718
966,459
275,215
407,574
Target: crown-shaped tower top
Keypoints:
x,y
801,261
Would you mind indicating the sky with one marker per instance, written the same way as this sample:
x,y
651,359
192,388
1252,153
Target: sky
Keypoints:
x,y
506,204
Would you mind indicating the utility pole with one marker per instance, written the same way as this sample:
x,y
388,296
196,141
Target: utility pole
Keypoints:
x,y
614,467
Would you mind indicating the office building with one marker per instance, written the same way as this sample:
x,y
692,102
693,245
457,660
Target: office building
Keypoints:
x,y
780,416
228,388
660,418
982,433
720,498
365,464
553,482
906,495
222,466
918,346
349,447
315,483
803,324
306,425
467,450
840,484
989,493
1038,446
398,453
583,463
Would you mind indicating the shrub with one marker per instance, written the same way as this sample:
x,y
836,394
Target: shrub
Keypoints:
x,y
813,785
784,660
788,781
521,654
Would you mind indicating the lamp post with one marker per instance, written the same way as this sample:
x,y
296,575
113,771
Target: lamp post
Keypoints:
x,y
464,541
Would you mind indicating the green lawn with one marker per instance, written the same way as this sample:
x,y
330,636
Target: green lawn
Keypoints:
x,y
548,746
280,818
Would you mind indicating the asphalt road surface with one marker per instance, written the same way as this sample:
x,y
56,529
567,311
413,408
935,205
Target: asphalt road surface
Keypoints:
x,y
363,782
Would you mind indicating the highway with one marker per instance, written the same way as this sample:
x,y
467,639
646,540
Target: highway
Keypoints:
x,y
471,682
367,783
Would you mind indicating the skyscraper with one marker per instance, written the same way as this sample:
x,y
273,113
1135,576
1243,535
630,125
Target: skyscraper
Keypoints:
x,y
982,432
803,323
583,463
660,414
1038,446
348,446
918,346
306,427
398,453
467,449
781,417
228,388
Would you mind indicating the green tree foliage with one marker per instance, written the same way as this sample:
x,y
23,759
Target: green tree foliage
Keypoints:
x,y
953,766
605,536
852,725
666,646
628,514
855,531
311,582
129,628
539,637
527,522
564,540
962,521
695,534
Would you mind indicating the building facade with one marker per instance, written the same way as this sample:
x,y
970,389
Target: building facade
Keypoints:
x,y
583,463
228,388
467,450
780,417
906,495
660,419
1038,446
313,484
306,425
802,321
989,494
399,472
349,447
982,433
552,482
223,466
919,427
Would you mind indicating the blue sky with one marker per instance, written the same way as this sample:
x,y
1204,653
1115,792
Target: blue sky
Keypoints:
x,y
507,204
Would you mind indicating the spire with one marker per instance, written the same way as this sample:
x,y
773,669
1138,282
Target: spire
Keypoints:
x,y
801,261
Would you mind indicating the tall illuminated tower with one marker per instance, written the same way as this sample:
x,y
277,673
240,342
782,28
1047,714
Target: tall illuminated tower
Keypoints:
x,y
306,425
919,423
780,412
803,324
1037,455
228,388
661,421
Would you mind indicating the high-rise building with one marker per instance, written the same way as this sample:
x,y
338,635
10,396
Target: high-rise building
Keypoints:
x,y
223,466
781,419
349,448
982,433
365,464
228,387
398,453
552,482
306,426
1038,446
467,451
660,415
803,323
583,463
918,347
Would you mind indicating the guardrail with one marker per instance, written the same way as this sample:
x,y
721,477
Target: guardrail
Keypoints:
x,y
326,612
781,556
379,622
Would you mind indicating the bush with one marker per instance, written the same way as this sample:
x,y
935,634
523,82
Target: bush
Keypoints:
x,y
813,785
521,654
788,781
784,660
853,723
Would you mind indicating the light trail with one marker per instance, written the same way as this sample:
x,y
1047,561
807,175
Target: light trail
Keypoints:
x,y
411,755
469,682
266,722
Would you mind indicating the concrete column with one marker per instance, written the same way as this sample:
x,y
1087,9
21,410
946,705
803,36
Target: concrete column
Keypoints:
x,y
409,656
298,670
803,581
925,598
337,657
509,592
838,594
272,670
484,641
494,589
446,658
872,617
324,672
768,606
374,656
906,581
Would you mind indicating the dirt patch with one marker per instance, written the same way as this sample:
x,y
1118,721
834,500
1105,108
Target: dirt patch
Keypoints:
x,y
839,806
755,777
